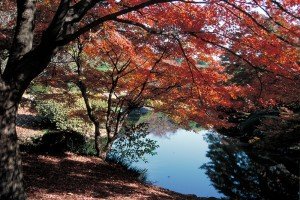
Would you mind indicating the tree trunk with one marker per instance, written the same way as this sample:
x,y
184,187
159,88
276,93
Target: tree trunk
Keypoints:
x,y
11,186
97,139
105,150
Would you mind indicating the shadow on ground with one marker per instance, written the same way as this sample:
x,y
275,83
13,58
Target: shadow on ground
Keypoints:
x,y
31,121
77,177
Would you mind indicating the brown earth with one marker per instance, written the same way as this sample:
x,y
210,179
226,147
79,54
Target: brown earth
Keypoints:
x,y
28,125
76,177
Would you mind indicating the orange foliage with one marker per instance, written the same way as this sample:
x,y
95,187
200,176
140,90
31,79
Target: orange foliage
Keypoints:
x,y
261,35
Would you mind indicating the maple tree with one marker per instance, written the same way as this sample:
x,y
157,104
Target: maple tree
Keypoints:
x,y
262,34
123,81
127,79
127,85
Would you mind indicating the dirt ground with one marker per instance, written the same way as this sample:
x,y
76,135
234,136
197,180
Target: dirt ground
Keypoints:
x,y
76,177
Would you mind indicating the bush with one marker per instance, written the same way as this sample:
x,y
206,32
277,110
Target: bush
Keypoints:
x,y
58,115
58,142
133,144
38,89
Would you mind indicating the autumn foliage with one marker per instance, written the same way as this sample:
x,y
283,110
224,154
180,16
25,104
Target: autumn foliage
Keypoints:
x,y
216,55
259,41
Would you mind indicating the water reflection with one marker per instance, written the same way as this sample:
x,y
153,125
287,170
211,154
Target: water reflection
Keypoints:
x,y
176,165
239,173
158,123
208,164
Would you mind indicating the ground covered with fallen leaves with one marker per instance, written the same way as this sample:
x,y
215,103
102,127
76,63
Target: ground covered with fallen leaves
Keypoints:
x,y
75,177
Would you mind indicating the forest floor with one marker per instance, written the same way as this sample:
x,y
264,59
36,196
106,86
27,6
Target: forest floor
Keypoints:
x,y
75,177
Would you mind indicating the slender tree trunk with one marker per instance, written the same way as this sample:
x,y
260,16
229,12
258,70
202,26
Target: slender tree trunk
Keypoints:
x,y
92,117
11,186
97,139
105,150
107,147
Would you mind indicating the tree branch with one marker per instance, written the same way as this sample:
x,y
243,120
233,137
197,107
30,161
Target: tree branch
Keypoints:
x,y
259,24
23,38
284,10
112,16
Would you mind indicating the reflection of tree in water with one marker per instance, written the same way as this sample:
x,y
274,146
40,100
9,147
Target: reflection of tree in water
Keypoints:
x,y
158,123
241,175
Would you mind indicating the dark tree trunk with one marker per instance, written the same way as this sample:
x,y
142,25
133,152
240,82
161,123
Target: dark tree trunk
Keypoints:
x,y
97,139
105,150
11,186
92,117
84,94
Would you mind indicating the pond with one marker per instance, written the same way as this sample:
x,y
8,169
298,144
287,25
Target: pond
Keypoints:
x,y
209,165
177,163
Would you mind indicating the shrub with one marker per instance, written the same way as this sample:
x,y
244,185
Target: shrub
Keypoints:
x,y
133,144
58,142
58,115
38,89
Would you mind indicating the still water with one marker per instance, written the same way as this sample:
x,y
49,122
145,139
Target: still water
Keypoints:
x,y
209,165
177,163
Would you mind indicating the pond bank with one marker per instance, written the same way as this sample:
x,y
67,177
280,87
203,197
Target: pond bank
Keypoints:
x,y
274,129
81,177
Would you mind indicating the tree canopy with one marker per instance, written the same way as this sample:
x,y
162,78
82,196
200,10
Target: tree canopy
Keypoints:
x,y
199,41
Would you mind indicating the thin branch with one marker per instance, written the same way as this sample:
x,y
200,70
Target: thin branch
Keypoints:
x,y
70,37
285,10
259,24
